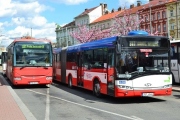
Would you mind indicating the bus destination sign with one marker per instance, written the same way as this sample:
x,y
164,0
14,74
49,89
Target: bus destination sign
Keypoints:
x,y
144,43
33,46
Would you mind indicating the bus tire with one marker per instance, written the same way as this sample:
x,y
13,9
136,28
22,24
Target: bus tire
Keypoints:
x,y
97,88
70,82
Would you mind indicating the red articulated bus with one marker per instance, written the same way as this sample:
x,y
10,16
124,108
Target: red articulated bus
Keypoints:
x,y
29,61
119,66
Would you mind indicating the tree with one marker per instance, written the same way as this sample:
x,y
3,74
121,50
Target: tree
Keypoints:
x,y
82,33
122,23
126,22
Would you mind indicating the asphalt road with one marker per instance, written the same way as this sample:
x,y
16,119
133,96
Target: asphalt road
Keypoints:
x,y
60,102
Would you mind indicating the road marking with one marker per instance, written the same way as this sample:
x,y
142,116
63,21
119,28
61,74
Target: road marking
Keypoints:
x,y
47,105
130,118
137,118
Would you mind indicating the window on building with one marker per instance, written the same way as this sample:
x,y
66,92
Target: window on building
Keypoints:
x,y
107,25
164,14
159,28
154,28
158,16
152,17
172,26
164,27
171,13
103,26
146,18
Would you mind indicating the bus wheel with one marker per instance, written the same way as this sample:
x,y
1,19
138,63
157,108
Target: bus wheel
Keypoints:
x,y
96,89
70,82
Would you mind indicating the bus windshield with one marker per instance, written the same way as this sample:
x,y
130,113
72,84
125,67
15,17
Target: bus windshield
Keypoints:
x,y
143,58
32,54
134,62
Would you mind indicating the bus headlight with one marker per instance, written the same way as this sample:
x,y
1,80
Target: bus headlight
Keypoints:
x,y
17,78
167,86
48,78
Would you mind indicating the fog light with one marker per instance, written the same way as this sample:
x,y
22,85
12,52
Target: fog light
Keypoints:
x,y
17,78
48,78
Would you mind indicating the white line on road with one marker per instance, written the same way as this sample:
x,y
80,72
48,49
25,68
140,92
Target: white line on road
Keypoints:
x,y
47,105
131,118
137,118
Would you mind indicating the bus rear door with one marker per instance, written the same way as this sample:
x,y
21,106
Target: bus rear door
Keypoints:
x,y
175,62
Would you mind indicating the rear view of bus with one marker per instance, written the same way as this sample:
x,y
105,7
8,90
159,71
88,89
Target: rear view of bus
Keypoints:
x,y
30,62
143,65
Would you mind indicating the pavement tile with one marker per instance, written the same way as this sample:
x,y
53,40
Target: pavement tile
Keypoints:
x,y
9,110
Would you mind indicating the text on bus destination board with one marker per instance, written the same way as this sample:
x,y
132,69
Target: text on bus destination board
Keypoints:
x,y
33,46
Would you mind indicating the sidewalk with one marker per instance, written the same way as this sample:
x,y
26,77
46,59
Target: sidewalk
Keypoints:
x,y
9,109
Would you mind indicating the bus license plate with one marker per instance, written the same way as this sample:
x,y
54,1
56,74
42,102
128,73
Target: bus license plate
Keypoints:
x,y
33,83
148,94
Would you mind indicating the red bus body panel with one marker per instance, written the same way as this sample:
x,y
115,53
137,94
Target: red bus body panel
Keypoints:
x,y
138,93
30,74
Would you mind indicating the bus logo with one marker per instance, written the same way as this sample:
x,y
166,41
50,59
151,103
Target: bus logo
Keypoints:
x,y
147,84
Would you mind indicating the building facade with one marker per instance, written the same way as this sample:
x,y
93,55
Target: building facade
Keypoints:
x,y
160,16
63,36
155,17
173,18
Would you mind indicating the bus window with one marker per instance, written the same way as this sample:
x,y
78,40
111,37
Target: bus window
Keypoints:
x,y
87,58
99,58
173,52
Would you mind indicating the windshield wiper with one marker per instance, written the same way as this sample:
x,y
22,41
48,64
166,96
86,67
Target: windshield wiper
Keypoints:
x,y
22,67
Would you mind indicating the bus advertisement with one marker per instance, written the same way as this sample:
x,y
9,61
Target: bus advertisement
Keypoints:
x,y
29,61
175,61
120,66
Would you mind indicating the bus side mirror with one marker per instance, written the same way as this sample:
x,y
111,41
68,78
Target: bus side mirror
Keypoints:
x,y
0,56
118,48
12,51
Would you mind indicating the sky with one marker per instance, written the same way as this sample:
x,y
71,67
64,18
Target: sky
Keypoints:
x,y
39,17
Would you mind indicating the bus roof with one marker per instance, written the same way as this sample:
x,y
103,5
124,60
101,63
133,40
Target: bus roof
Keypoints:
x,y
30,39
106,42
138,32
175,41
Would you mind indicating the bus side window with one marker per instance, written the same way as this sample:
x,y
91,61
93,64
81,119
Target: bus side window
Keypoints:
x,y
171,52
179,55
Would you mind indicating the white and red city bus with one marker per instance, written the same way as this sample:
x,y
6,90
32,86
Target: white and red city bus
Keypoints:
x,y
175,61
120,66
29,61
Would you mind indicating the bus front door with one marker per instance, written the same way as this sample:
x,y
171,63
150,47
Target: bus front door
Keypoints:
x,y
79,70
110,69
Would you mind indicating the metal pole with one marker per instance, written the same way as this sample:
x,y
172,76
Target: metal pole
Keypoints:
x,y
31,32
66,37
177,20
150,21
